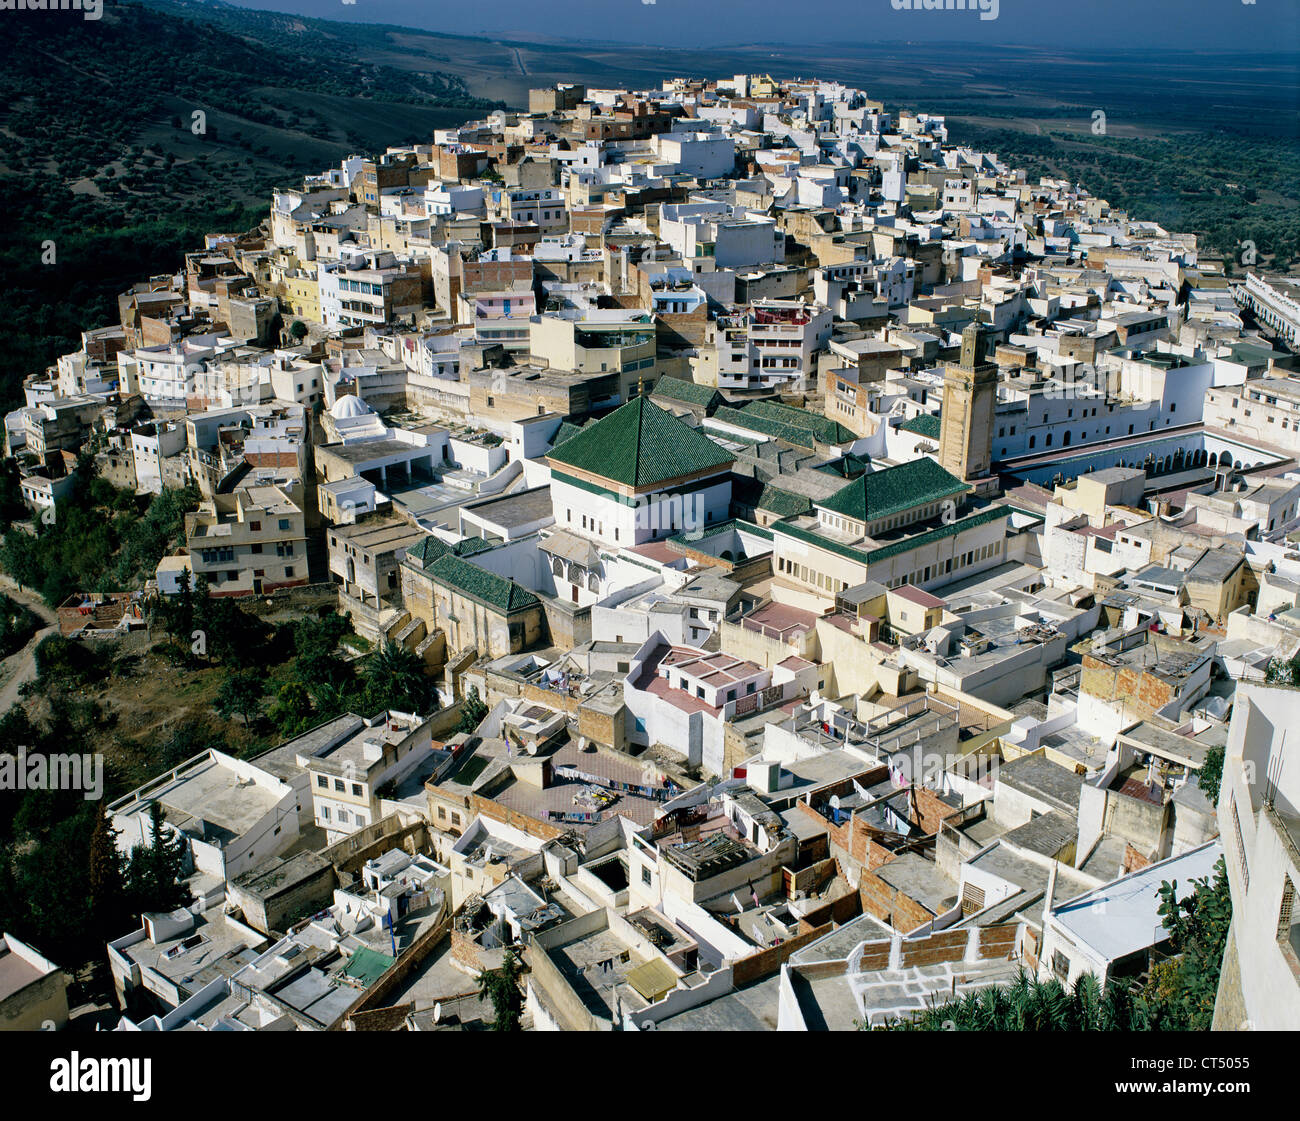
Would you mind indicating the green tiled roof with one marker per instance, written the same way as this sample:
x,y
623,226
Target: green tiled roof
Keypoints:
x,y
878,494
743,418
679,389
927,425
564,432
640,445
783,503
894,548
826,430
487,587
848,466
431,549
722,527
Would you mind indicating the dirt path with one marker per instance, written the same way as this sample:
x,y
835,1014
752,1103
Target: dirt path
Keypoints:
x,y
20,668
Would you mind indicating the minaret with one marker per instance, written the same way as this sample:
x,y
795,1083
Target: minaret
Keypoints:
x,y
970,393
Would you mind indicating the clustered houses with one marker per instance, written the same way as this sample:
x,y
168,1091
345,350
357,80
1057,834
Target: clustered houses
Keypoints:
x,y
839,529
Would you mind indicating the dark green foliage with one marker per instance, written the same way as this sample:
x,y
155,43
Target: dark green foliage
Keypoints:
x,y
1179,996
62,662
1211,774
472,711
292,712
1029,1004
502,987
106,879
1182,989
395,679
155,872
97,543
17,625
241,695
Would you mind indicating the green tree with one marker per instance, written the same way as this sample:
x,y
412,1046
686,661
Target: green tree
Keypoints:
x,y
57,659
1029,1004
395,679
1211,774
105,879
1182,989
241,695
298,329
316,657
155,872
292,709
472,711
502,987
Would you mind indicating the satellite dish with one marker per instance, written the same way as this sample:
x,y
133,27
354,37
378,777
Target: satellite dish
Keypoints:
x,y
437,1013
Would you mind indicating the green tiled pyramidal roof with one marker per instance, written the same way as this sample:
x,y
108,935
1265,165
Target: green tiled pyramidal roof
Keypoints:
x,y
496,591
927,425
849,466
879,494
640,445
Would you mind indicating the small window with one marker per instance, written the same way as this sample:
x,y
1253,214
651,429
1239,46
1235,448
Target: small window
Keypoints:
x,y
1060,965
323,782
645,874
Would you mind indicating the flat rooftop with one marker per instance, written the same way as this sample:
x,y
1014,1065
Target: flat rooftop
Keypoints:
x,y
1039,776
1123,917
512,510
207,798
840,1002
16,972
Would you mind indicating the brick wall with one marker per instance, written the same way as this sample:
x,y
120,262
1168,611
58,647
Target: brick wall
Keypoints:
x,y
890,905
766,962
930,809
497,812
397,973
837,911
1133,860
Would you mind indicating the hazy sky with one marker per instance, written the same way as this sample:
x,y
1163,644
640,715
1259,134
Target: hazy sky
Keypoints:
x,y
1270,25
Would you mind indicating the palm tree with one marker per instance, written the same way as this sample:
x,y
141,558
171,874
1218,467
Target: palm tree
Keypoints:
x,y
1028,1004
395,680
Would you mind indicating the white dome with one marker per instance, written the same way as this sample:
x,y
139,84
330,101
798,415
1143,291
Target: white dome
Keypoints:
x,y
345,408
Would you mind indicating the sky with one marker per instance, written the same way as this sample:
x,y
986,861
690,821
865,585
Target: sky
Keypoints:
x,y
1232,25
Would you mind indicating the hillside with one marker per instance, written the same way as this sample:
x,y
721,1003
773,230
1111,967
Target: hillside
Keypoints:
x,y
99,153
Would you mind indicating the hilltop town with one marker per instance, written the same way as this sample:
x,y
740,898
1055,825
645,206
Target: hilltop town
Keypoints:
x,y
803,573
